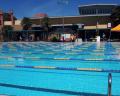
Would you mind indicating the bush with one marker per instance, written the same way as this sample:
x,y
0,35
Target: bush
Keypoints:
x,y
54,39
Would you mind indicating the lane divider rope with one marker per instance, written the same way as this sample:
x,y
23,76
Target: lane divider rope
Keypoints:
x,y
59,68
39,58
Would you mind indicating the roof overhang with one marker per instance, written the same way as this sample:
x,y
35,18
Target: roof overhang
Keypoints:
x,y
99,27
98,5
92,15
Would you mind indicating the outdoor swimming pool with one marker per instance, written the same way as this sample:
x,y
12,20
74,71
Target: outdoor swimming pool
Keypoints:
x,y
59,69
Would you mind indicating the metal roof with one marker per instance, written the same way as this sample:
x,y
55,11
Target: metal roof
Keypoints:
x,y
25,30
98,5
76,16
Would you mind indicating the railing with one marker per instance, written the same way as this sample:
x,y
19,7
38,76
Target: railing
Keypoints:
x,y
109,84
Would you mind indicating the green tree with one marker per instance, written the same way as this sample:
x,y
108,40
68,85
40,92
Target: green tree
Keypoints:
x,y
74,27
7,32
54,39
26,23
6,17
45,23
115,16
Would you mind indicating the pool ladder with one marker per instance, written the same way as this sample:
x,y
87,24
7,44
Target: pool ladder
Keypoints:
x,y
109,84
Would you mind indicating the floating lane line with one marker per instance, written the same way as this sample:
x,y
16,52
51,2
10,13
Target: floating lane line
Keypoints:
x,y
94,59
7,66
98,50
69,53
50,67
83,48
57,50
89,69
32,58
44,67
5,95
48,53
76,50
59,68
97,54
39,58
61,58
5,57
101,48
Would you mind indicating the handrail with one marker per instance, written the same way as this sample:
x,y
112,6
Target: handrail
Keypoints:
x,y
109,84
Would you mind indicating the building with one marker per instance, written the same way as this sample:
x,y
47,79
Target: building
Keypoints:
x,y
8,19
99,24
93,18
95,9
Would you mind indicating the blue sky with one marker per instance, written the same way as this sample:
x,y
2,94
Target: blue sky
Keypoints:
x,y
27,8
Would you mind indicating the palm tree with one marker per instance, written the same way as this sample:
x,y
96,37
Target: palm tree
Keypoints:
x,y
26,23
7,17
74,27
46,25
7,32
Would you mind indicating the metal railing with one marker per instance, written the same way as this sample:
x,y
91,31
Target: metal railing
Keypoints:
x,y
109,84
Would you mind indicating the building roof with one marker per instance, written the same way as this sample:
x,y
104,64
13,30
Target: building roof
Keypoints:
x,y
86,19
91,15
41,15
98,5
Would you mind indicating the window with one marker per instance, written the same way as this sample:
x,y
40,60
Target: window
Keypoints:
x,y
100,11
80,11
94,11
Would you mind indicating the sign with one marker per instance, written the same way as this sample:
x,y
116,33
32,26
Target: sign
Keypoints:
x,y
80,26
109,25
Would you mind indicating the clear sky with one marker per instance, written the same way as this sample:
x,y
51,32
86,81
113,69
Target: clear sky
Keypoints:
x,y
27,8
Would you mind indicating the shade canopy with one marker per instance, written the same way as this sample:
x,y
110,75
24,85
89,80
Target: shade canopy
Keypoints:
x,y
116,29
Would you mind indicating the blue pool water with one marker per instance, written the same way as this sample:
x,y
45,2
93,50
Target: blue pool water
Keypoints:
x,y
25,69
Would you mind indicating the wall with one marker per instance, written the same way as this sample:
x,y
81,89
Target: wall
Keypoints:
x,y
87,20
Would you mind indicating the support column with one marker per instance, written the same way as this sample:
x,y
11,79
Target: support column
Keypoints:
x,y
1,18
43,36
1,25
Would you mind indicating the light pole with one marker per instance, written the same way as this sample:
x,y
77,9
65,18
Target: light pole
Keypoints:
x,y
109,84
109,27
63,21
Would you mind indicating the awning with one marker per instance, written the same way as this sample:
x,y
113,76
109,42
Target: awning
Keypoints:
x,y
25,30
116,29
98,27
